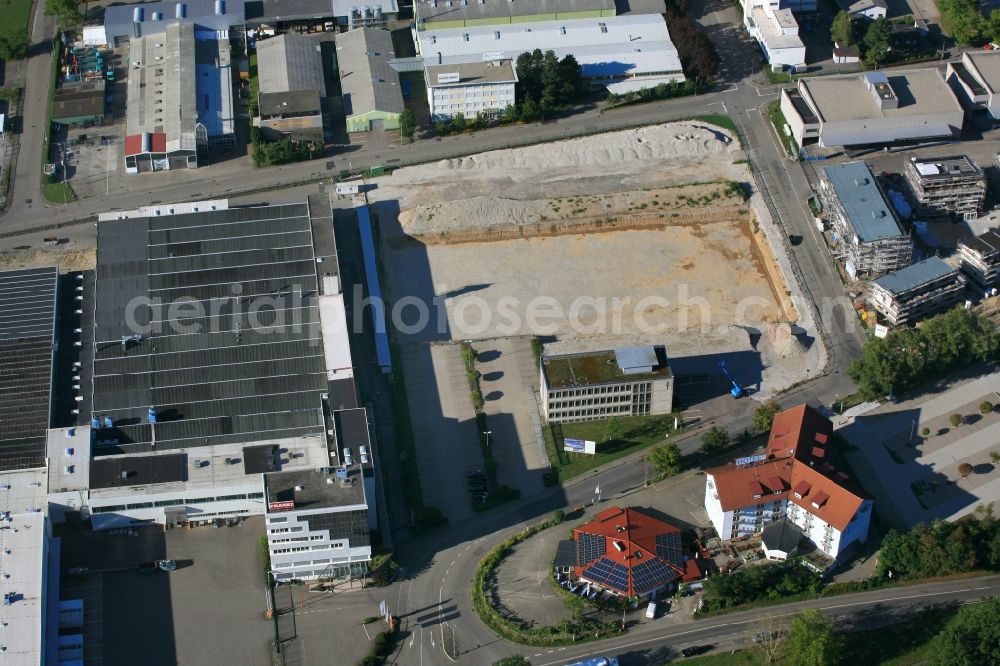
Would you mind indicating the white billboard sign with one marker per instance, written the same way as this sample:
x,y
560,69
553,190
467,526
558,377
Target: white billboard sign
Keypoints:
x,y
580,446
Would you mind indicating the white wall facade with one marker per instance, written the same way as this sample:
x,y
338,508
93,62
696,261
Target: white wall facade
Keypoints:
x,y
490,99
889,129
722,521
298,552
197,505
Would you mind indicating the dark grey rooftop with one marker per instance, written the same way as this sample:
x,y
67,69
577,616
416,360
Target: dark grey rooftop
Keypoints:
x,y
261,459
351,426
320,489
782,535
985,244
342,394
565,554
231,349
264,11
295,103
867,211
137,470
916,275
27,331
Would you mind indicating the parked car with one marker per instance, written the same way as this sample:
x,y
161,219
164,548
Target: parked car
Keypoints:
x,y
651,610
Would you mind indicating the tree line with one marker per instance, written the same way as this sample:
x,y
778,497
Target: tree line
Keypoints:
x,y
942,548
909,357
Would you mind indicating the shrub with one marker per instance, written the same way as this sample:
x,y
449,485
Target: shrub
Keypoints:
x,y
955,420
985,407
925,432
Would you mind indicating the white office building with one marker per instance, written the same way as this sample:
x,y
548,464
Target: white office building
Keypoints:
x,y
774,27
976,81
470,88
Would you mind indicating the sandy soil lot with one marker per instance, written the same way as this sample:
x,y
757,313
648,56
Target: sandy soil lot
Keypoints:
x,y
625,238
66,258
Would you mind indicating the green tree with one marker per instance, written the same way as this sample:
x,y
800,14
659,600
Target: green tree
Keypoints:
x,y
407,126
715,440
14,47
614,429
516,660
842,30
965,469
763,416
68,11
971,638
991,25
666,459
876,42
964,19
955,420
811,640
985,407
458,123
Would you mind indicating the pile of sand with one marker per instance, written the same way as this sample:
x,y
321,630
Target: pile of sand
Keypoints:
x,y
658,142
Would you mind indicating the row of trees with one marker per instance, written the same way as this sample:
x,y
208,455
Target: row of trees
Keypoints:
x,y
748,584
909,357
967,23
942,548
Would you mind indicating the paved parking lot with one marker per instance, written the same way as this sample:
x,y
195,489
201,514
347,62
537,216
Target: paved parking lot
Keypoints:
x,y
444,425
916,478
209,611
509,374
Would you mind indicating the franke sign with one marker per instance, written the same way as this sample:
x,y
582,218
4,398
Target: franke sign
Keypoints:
x,y
287,505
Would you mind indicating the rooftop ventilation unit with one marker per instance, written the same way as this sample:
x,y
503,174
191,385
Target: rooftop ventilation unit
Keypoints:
x,y
180,10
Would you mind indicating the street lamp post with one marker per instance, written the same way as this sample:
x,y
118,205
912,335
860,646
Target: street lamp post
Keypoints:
x,y
487,433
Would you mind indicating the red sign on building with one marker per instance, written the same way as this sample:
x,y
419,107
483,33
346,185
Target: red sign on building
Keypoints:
x,y
287,505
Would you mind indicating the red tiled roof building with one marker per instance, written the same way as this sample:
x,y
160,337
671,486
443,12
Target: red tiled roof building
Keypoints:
x,y
628,552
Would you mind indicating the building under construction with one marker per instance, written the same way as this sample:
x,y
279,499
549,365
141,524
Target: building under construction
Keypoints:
x,y
981,260
946,187
921,290
869,238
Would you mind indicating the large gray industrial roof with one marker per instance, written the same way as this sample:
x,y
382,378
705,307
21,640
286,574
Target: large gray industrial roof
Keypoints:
x,y
290,62
248,367
288,103
367,80
478,10
27,325
867,211
263,11
913,276
119,19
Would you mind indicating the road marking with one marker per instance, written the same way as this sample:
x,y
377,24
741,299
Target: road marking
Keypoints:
x,y
366,632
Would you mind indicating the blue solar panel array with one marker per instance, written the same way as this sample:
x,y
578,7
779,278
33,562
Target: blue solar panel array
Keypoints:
x,y
650,575
668,546
608,573
589,547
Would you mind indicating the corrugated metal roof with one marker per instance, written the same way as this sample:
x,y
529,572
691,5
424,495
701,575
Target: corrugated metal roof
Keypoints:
x,y
367,80
226,303
27,321
913,276
867,211
118,19
636,359
473,10
290,62
613,46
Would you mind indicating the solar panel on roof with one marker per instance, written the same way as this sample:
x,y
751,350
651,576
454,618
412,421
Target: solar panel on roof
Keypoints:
x,y
650,575
668,547
589,547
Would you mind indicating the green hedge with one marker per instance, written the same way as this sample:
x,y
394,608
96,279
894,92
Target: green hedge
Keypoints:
x,y
566,632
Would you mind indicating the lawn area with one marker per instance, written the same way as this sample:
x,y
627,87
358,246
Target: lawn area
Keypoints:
x,y
909,646
637,433
16,14
57,192
778,120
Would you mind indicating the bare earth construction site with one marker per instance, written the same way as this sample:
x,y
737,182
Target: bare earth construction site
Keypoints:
x,y
632,237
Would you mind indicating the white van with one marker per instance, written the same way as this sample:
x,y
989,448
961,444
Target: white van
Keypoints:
x,y
651,610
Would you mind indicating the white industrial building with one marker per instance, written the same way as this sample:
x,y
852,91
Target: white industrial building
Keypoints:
x,y
623,53
123,22
791,485
587,386
872,108
470,88
976,81
180,98
774,27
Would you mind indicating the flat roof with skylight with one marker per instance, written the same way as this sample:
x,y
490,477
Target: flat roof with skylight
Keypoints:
x,y
603,367
866,209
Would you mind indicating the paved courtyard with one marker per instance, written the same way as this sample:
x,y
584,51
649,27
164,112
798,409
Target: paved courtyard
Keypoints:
x,y
916,477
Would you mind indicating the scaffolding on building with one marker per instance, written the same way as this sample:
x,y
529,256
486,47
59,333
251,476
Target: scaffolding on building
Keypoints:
x,y
946,187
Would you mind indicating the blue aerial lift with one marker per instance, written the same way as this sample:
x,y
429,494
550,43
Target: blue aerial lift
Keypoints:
x,y
737,391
